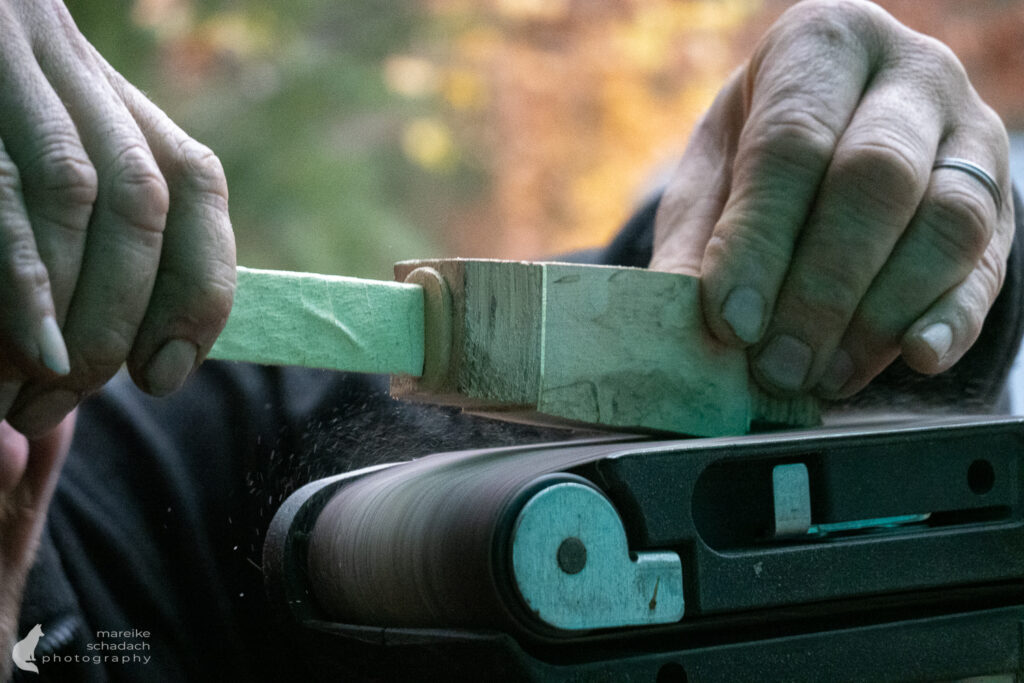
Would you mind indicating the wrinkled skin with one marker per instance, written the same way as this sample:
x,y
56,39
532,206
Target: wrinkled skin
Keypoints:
x,y
807,202
113,223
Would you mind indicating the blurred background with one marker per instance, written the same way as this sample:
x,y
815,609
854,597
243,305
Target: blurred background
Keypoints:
x,y
356,134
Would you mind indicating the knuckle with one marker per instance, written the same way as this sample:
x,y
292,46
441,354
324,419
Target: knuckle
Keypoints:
x,y
10,179
988,119
884,171
992,273
961,223
138,192
825,298
202,304
793,135
874,332
747,245
62,173
843,24
937,67
199,169
969,314
222,239
986,127
98,358
827,14
24,270
214,297
944,62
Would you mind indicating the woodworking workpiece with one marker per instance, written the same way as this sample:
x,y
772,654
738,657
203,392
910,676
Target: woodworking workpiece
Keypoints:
x,y
618,348
324,321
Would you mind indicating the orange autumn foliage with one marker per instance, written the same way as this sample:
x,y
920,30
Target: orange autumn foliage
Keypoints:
x,y
575,108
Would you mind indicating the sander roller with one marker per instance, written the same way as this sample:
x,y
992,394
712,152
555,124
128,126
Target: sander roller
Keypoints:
x,y
449,539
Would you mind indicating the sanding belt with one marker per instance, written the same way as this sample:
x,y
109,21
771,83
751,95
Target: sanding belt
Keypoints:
x,y
413,544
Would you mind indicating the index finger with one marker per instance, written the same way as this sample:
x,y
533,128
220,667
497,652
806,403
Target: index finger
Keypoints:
x,y
195,282
803,86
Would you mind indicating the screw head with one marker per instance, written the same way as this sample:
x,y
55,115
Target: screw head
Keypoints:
x,y
572,555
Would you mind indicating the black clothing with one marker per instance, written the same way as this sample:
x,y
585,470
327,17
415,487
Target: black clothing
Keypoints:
x,y
157,522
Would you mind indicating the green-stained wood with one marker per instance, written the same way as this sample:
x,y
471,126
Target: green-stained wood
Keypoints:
x,y
643,329
322,321
624,348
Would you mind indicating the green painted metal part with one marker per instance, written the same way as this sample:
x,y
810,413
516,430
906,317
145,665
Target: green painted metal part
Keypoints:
x,y
573,569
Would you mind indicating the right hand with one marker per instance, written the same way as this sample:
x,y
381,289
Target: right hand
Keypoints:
x,y
28,477
827,241
115,241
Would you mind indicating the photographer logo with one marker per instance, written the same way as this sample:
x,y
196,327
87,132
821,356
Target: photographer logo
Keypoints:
x,y
24,652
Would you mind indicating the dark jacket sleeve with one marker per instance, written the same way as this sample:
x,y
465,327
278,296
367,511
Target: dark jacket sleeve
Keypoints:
x,y
975,384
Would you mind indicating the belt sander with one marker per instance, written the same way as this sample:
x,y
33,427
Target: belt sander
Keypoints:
x,y
892,551
875,553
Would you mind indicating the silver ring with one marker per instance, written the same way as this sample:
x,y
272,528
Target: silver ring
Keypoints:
x,y
976,172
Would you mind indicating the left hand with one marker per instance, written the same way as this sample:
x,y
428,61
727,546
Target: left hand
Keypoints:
x,y
115,239
808,202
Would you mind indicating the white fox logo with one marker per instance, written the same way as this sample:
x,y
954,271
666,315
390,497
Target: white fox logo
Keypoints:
x,y
24,651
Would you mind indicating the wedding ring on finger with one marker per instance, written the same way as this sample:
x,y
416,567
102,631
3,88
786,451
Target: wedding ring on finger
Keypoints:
x,y
976,172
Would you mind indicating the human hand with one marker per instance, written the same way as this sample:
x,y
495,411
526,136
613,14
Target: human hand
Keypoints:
x,y
115,241
808,202
28,476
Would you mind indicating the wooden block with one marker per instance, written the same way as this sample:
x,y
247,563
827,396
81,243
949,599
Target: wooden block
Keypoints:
x,y
324,321
624,348
621,348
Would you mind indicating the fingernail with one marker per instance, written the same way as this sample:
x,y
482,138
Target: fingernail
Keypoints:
x,y
170,366
52,350
939,337
837,373
785,361
44,412
744,311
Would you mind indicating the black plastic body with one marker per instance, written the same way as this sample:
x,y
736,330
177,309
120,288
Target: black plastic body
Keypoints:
x,y
940,599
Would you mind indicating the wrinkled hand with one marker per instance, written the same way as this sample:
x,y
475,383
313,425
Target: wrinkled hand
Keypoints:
x,y
115,242
808,204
